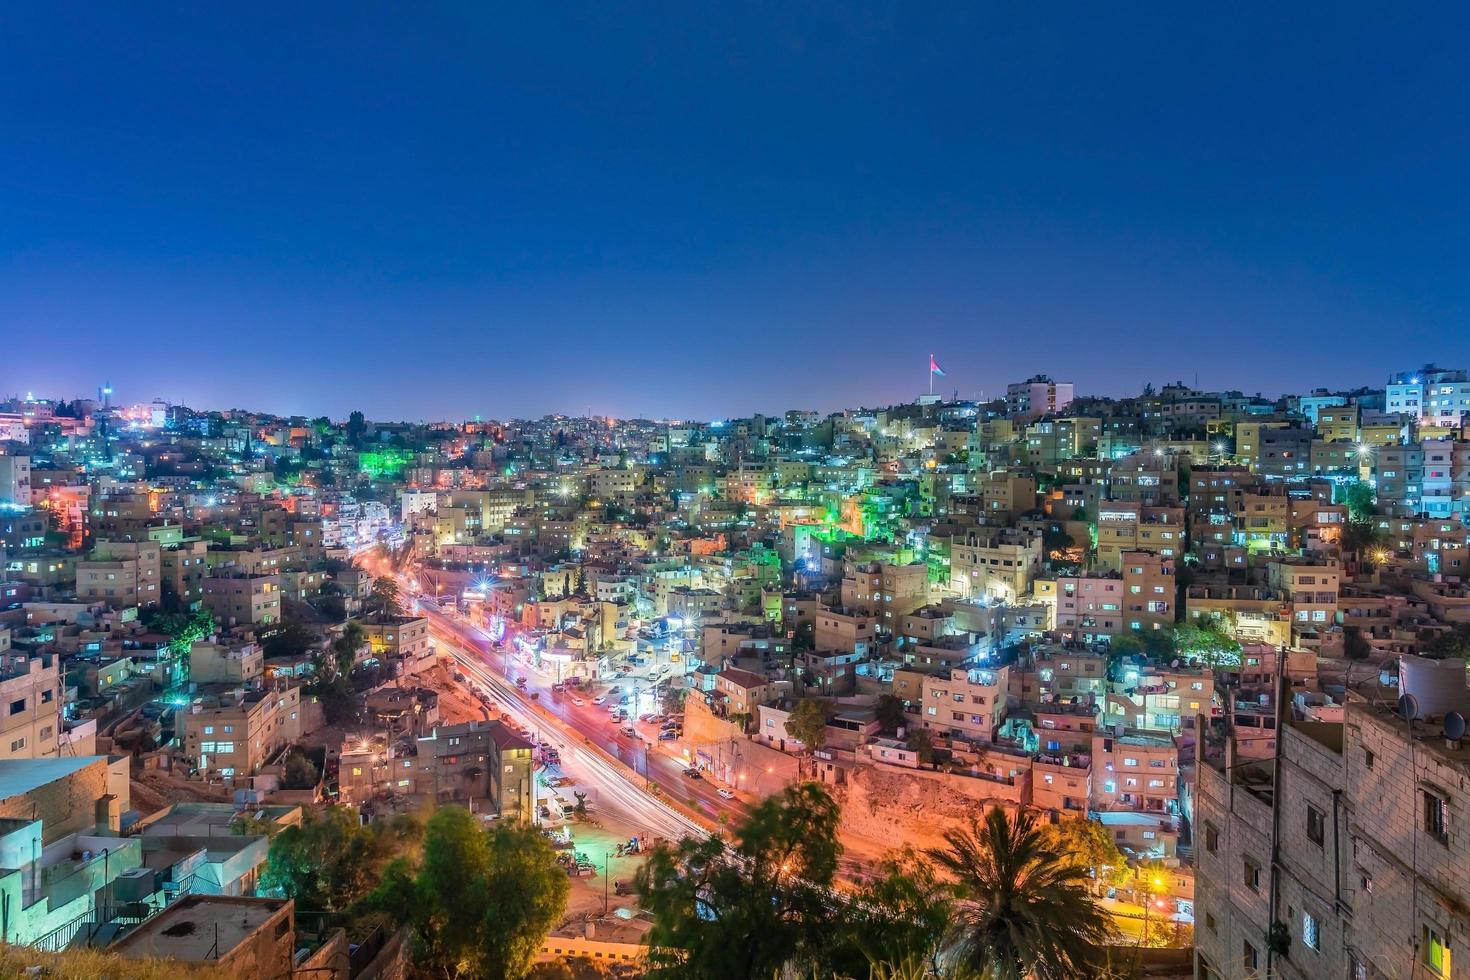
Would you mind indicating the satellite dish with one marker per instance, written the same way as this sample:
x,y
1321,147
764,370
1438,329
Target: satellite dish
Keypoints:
x,y
1408,707
1454,726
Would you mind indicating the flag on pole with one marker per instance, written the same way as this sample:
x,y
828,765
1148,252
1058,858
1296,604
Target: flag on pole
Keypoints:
x,y
934,367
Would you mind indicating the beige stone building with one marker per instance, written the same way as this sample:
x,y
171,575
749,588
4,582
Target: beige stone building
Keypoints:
x,y
30,706
965,703
243,599
121,574
994,563
232,733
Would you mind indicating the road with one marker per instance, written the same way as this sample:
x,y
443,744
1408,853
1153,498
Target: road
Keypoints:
x,y
621,769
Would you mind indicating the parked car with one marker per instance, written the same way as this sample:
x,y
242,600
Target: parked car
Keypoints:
x,y
692,773
578,702
725,794
667,736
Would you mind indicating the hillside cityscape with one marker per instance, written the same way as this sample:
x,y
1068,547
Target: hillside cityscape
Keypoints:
x,y
837,490
1052,685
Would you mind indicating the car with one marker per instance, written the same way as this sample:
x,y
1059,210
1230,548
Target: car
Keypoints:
x,y
725,794
629,731
692,773
667,736
558,687
578,702
615,689
600,699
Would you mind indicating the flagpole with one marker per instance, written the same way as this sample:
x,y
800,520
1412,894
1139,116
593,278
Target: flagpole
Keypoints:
x,y
931,374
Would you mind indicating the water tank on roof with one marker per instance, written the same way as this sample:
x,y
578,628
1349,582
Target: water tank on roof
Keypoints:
x,y
1437,685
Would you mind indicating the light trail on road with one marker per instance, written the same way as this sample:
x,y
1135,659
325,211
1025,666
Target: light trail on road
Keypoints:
x,y
615,788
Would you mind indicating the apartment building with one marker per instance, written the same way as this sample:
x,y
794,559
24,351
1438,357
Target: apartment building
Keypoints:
x,y
994,563
30,705
1037,396
1151,479
183,568
1098,607
1399,475
1431,395
844,630
242,598
1130,526
121,574
402,640
226,660
1310,586
231,732
1371,851
1004,494
1135,771
15,481
889,592
965,703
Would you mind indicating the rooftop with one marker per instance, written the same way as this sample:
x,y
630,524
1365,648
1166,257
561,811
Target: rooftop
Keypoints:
x,y
20,776
200,928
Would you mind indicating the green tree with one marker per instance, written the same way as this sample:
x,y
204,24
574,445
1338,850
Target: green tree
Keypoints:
x,y
1089,843
346,646
331,860
299,772
383,600
808,722
291,639
1355,648
902,915
1361,538
751,908
920,742
1026,913
479,902
1362,502
356,428
673,699
1208,639
1452,643
890,713
1056,539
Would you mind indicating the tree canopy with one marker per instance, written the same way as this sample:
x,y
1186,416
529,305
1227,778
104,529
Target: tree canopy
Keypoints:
x,y
1026,913
807,722
732,909
479,902
332,860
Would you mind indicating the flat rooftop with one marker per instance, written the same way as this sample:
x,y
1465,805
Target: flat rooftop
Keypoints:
x,y
20,776
199,928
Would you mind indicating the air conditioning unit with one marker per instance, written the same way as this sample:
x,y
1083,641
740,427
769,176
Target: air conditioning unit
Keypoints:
x,y
135,885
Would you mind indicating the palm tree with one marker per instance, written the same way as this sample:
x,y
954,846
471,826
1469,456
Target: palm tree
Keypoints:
x,y
1025,910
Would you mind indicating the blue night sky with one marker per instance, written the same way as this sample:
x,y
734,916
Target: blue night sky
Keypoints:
x,y
438,210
